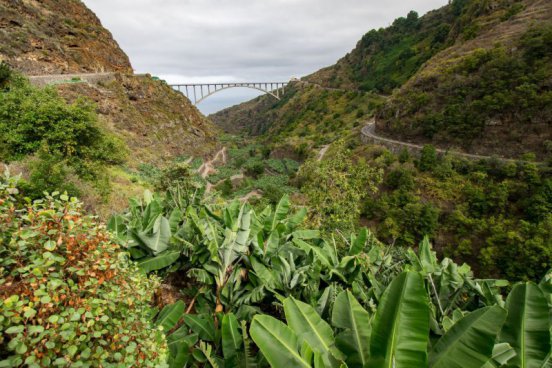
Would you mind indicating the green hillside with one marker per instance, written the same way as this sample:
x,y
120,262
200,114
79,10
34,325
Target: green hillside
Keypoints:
x,y
308,239
473,76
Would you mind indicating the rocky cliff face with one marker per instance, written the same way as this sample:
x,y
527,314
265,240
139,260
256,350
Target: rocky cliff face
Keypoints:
x,y
54,37
63,37
156,122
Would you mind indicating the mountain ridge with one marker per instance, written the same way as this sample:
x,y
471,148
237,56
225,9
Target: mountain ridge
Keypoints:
x,y
391,60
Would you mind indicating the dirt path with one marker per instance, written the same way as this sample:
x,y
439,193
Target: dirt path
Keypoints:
x,y
254,193
208,167
322,152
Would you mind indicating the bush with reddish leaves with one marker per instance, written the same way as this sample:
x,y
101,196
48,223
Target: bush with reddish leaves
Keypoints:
x,y
68,294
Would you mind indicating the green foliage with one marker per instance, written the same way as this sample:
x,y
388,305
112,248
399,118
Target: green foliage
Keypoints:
x,y
254,167
506,88
335,188
247,265
5,74
31,118
398,335
68,296
50,172
428,158
253,171
386,58
66,137
496,216
400,329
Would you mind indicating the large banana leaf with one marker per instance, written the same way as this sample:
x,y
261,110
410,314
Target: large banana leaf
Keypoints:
x,y
151,213
428,259
296,219
527,327
180,344
159,261
502,353
204,326
117,227
470,342
231,337
309,327
280,213
400,330
235,243
249,360
159,240
169,316
358,242
354,342
175,218
546,287
278,343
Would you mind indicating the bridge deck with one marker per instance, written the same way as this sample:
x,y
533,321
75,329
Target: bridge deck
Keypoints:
x,y
200,91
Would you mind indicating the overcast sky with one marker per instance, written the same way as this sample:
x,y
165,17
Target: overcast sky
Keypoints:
x,y
243,40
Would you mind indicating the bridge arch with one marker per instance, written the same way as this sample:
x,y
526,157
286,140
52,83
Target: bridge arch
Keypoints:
x,y
200,91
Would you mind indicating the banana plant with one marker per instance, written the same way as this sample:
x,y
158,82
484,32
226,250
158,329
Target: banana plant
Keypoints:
x,y
470,341
451,287
400,330
197,341
398,334
305,339
221,243
527,327
149,233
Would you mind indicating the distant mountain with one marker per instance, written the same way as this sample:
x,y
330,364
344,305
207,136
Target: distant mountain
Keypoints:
x,y
474,75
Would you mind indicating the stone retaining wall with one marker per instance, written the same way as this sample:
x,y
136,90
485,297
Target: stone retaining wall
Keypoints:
x,y
93,78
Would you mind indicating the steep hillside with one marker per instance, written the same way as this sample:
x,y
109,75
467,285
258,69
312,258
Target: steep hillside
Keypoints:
x,y
384,59
307,116
154,124
491,94
65,37
157,123
51,36
443,88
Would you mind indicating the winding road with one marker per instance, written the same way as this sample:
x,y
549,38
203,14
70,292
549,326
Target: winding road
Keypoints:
x,y
368,135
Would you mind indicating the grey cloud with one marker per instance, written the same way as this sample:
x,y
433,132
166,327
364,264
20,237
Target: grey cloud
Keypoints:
x,y
244,39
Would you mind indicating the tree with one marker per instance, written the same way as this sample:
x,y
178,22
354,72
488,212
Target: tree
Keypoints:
x,y
336,186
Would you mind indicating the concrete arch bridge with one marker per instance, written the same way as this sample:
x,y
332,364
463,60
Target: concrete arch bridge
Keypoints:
x,y
197,92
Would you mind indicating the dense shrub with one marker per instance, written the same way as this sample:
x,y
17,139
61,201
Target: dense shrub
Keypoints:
x,y
68,295
500,86
336,187
496,216
33,120
5,74
428,158
32,117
